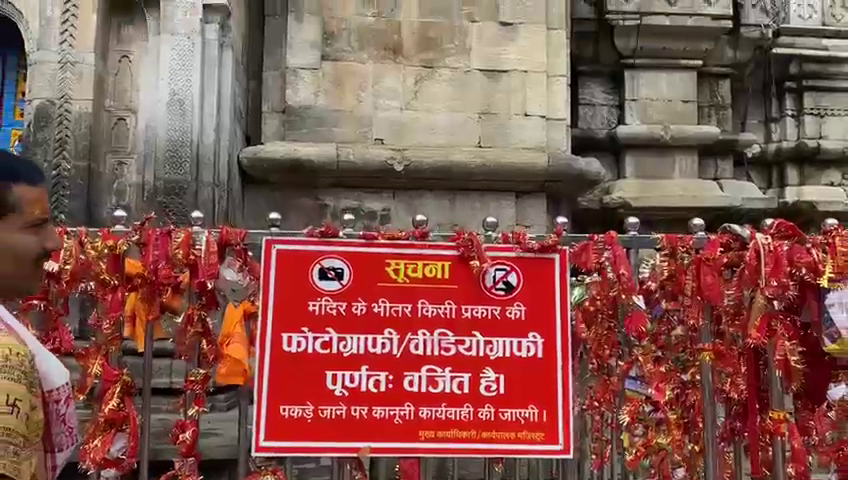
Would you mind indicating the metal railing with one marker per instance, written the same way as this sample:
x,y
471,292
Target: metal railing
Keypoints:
x,y
449,469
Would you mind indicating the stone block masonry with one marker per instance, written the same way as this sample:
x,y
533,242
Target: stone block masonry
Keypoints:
x,y
438,73
438,94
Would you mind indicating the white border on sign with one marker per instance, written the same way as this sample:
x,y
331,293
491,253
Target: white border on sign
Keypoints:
x,y
331,257
489,268
261,442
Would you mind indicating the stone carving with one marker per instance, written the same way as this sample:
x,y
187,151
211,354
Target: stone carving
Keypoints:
x,y
836,12
177,159
121,181
806,9
120,135
398,163
825,111
122,82
768,8
63,143
125,32
179,106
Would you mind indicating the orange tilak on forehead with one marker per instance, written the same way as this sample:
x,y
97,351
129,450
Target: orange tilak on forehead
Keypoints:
x,y
32,201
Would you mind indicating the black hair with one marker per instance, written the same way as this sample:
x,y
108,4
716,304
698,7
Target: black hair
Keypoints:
x,y
16,170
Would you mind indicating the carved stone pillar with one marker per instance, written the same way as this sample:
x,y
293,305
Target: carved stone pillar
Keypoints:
x,y
660,133
180,99
718,161
804,101
67,165
122,86
809,126
217,112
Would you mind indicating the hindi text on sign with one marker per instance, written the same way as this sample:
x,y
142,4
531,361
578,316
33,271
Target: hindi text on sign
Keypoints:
x,y
402,270
441,367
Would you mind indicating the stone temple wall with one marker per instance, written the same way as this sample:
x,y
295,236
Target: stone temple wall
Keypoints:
x,y
727,110
528,108
139,104
523,108
393,107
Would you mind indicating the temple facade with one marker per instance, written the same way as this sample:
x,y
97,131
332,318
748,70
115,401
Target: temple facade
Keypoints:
x,y
385,108
458,109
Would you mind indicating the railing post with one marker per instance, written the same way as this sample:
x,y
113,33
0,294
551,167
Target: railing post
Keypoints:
x,y
490,226
146,399
197,233
575,464
348,222
119,225
275,222
245,393
738,460
775,389
697,227
342,470
275,226
420,221
829,224
618,458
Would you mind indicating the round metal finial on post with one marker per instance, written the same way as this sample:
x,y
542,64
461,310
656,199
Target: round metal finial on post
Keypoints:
x,y
420,221
561,222
697,226
631,225
829,224
766,223
275,221
490,224
119,219
197,218
348,221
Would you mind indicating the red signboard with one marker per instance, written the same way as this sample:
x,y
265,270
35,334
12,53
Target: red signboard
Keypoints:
x,y
401,347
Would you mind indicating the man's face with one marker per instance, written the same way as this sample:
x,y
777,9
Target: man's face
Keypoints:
x,y
26,241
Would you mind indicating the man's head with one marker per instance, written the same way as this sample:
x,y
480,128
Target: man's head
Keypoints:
x,y
26,236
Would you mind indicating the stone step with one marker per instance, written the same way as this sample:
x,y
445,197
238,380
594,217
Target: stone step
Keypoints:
x,y
168,372
218,434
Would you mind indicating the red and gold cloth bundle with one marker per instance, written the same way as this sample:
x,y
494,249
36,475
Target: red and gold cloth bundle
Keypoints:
x,y
270,472
471,249
234,341
524,243
116,422
740,301
776,282
156,283
610,296
663,420
420,234
63,276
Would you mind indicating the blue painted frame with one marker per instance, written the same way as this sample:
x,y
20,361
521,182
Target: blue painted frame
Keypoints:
x,y
12,85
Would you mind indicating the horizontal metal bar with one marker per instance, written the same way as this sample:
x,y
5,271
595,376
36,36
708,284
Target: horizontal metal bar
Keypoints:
x,y
255,237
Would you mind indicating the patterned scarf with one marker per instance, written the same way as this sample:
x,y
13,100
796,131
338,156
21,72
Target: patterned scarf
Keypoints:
x,y
60,416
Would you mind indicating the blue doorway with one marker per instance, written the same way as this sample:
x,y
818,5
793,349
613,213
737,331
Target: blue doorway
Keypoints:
x,y
13,70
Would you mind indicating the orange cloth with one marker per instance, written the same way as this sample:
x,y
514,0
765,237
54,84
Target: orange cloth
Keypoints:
x,y
234,368
137,309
